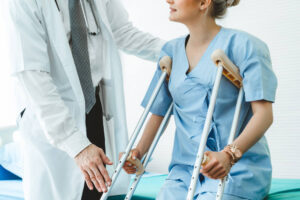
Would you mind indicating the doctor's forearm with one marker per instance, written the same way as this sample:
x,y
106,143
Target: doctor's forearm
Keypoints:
x,y
138,43
149,133
128,37
58,124
257,126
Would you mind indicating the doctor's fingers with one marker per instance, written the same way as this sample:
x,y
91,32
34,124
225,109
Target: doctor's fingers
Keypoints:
x,y
97,179
103,172
87,179
104,158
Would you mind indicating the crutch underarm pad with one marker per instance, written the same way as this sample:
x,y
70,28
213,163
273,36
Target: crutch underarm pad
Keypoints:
x,y
165,64
230,71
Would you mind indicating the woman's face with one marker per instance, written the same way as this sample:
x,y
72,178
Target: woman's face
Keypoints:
x,y
183,10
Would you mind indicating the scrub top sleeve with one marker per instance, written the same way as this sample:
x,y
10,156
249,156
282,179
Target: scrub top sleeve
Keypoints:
x,y
163,98
259,80
30,38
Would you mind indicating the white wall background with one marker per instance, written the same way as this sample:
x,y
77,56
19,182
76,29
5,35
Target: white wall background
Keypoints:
x,y
276,22
7,110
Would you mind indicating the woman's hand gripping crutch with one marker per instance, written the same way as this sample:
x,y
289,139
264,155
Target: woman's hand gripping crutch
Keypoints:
x,y
158,134
230,71
156,121
165,64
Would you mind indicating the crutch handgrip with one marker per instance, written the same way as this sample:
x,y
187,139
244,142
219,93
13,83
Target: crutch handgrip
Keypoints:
x,y
136,162
204,160
230,71
166,65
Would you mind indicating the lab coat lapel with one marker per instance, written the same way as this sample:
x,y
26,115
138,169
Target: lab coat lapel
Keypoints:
x,y
58,39
116,128
115,97
102,19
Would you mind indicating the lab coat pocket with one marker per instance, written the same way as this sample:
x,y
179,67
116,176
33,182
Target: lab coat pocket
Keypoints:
x,y
110,142
106,98
25,122
20,120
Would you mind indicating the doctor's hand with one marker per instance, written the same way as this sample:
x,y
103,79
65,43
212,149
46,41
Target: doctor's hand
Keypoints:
x,y
92,161
218,165
128,166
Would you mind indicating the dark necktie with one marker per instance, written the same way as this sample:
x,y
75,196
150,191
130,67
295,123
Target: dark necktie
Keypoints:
x,y
80,53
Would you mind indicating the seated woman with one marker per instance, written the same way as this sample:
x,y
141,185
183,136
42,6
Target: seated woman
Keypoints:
x,y
190,87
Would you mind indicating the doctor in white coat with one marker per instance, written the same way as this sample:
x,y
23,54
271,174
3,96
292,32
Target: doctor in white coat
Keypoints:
x,y
69,82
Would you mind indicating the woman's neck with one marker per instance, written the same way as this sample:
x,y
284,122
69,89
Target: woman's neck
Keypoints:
x,y
202,32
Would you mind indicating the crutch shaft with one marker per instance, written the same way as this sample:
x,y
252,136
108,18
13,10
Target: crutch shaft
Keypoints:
x,y
204,135
231,72
160,131
165,64
135,134
236,116
222,183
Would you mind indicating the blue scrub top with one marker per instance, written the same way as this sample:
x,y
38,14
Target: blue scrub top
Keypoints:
x,y
251,176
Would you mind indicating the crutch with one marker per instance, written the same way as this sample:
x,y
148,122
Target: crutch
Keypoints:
x,y
165,65
160,130
230,71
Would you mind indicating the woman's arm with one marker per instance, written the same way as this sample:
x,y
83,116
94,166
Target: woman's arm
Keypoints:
x,y
149,134
259,123
145,142
219,163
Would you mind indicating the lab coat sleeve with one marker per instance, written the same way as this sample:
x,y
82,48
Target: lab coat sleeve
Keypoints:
x,y
54,116
30,38
129,38
259,79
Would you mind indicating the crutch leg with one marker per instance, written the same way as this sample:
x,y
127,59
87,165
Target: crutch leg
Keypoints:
x,y
204,135
160,131
230,71
222,182
165,65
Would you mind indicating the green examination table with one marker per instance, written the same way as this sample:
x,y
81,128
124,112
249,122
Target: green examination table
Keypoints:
x,y
149,186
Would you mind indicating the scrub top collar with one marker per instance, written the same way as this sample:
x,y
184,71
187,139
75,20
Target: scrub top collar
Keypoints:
x,y
205,54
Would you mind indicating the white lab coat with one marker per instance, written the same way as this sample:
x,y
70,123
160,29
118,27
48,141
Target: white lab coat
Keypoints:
x,y
40,43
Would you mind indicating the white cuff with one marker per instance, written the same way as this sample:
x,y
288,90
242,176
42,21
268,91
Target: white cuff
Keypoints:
x,y
74,144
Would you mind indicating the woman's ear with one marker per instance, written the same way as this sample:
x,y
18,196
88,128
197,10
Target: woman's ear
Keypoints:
x,y
204,4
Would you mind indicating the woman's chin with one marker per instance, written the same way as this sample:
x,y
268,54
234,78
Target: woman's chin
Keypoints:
x,y
173,18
